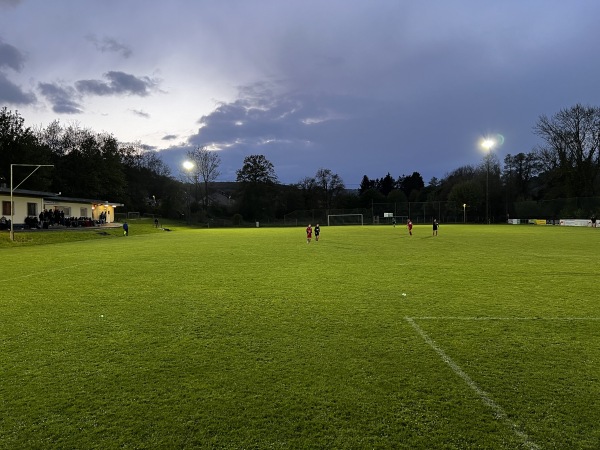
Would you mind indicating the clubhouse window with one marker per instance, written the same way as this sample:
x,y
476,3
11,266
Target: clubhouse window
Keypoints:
x,y
65,209
6,208
32,209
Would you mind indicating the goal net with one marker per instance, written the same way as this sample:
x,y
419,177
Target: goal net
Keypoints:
x,y
345,219
401,219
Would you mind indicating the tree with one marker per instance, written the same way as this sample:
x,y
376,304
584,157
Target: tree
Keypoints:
x,y
330,185
87,164
571,153
206,167
256,194
308,188
397,196
20,145
387,184
365,185
467,193
518,172
150,186
256,169
411,183
371,196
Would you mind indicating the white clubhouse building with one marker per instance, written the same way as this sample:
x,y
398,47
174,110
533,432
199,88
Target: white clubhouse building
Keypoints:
x,y
31,203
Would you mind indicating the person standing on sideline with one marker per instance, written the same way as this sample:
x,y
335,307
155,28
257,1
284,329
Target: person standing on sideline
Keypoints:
x,y
409,226
435,227
308,233
394,221
317,232
125,229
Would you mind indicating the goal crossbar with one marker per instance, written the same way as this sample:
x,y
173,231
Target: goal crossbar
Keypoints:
x,y
353,219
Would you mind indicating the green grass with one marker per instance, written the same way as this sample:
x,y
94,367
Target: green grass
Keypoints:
x,y
253,339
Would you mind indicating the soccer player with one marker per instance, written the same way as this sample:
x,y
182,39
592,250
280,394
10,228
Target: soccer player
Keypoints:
x,y
435,227
409,226
308,233
317,232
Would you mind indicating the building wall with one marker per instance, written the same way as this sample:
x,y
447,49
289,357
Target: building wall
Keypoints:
x,y
71,209
20,207
109,209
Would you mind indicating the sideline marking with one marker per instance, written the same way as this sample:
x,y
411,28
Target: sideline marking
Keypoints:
x,y
35,274
483,318
497,409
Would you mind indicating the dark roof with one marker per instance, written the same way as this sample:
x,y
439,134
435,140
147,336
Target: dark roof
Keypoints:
x,y
28,193
54,196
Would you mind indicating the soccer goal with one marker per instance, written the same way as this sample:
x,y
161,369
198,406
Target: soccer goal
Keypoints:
x,y
345,219
133,215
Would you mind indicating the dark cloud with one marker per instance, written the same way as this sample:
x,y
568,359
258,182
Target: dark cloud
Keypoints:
x,y
12,94
299,133
111,45
118,83
169,137
63,99
139,113
11,57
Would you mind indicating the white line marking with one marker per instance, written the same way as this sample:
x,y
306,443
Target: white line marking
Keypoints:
x,y
482,318
498,411
35,274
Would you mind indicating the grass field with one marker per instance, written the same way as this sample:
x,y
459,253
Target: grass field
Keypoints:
x,y
483,337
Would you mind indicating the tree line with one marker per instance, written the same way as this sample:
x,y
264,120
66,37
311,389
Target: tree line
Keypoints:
x,y
95,165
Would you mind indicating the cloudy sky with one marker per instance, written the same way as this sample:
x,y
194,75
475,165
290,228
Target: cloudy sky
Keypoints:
x,y
361,87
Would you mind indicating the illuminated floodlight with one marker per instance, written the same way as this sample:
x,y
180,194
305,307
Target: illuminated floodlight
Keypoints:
x,y
487,144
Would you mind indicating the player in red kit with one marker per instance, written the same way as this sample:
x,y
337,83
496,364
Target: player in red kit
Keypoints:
x,y
409,226
308,233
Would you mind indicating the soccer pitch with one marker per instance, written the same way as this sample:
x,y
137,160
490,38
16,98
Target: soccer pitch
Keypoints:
x,y
482,337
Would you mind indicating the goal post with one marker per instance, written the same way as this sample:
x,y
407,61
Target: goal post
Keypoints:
x,y
345,219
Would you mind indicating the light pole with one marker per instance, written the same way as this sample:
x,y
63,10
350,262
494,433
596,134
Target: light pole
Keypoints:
x,y
487,145
12,205
464,213
188,166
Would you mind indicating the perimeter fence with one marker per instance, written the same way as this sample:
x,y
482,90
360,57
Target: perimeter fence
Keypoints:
x,y
560,208
454,212
385,213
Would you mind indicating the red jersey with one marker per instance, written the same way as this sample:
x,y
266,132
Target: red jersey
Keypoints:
x,y
308,232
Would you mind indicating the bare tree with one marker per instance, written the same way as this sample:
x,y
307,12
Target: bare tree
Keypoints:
x,y
330,184
308,188
572,147
206,167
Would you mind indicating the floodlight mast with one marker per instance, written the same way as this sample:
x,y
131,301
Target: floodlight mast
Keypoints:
x,y
12,206
188,166
487,145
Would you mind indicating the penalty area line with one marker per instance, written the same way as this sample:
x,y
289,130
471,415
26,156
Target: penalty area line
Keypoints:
x,y
485,398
